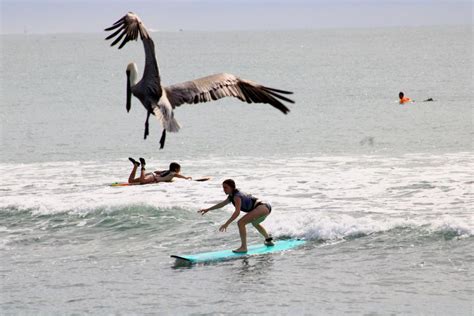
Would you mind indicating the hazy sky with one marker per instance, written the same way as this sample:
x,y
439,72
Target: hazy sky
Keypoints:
x,y
58,16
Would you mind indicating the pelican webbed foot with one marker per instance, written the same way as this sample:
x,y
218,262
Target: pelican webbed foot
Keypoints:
x,y
162,139
147,126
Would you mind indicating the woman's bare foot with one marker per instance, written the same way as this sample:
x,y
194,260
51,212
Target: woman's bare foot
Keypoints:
x,y
240,250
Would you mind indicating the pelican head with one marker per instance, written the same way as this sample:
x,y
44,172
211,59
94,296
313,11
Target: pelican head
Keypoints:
x,y
132,75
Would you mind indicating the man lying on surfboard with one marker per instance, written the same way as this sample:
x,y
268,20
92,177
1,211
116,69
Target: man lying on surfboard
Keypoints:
x,y
156,176
256,211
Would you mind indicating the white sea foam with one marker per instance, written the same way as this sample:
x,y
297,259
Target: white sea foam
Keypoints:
x,y
312,197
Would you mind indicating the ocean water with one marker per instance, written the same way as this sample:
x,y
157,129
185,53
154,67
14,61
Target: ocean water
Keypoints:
x,y
381,192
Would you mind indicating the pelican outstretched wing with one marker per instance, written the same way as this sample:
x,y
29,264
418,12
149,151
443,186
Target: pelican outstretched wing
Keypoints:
x,y
223,85
130,25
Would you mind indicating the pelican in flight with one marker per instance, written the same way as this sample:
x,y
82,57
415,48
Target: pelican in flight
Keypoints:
x,y
161,101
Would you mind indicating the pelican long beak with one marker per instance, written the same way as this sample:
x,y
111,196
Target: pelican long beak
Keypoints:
x,y
129,92
146,125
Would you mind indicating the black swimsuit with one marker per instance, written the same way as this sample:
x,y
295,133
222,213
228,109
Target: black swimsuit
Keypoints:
x,y
248,202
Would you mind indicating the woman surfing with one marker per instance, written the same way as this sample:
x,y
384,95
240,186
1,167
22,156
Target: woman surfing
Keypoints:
x,y
257,211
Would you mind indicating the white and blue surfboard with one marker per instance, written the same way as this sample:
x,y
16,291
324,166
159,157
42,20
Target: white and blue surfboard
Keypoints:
x,y
280,245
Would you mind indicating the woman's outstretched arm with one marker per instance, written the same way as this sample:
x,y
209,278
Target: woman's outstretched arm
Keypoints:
x,y
214,207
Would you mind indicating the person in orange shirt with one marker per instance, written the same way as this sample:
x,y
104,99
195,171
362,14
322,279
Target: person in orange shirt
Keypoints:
x,y
403,98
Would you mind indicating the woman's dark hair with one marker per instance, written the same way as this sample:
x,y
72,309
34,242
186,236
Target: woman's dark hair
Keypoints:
x,y
230,183
175,167
401,94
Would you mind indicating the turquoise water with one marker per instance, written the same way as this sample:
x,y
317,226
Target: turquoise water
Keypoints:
x,y
382,193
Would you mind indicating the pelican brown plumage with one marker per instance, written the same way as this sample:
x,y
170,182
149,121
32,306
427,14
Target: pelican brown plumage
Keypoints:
x,y
161,101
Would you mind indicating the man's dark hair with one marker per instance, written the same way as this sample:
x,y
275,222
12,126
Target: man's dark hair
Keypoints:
x,y
175,167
